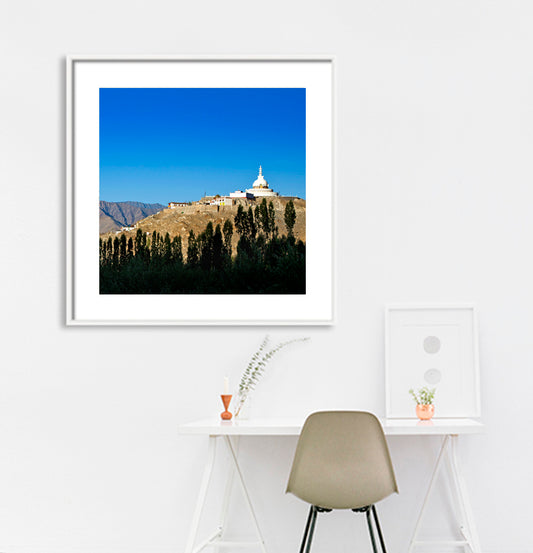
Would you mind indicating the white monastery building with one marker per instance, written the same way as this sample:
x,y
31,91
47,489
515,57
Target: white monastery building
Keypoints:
x,y
241,194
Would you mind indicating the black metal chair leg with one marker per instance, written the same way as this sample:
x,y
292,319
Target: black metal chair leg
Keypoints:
x,y
306,532
311,530
376,521
370,531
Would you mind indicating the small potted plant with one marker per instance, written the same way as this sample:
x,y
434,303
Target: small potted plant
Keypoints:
x,y
424,402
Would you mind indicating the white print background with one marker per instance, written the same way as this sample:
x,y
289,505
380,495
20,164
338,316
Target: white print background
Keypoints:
x,y
315,304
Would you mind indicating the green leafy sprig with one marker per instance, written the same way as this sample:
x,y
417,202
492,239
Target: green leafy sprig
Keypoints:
x,y
423,396
256,367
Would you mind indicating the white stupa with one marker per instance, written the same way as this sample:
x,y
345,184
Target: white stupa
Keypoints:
x,y
260,187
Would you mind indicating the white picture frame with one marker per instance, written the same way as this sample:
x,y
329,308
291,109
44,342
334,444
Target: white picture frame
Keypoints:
x,y
435,346
85,76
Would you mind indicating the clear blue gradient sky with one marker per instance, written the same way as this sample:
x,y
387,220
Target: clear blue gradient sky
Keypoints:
x,y
159,145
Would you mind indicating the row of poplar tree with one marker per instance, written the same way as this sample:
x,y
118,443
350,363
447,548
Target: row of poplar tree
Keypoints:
x,y
264,262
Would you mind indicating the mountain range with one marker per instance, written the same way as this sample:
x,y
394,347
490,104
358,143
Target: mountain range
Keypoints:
x,y
115,215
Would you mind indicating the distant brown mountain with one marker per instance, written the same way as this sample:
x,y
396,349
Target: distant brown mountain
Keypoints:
x,y
115,215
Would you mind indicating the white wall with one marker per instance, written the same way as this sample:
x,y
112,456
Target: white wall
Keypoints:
x,y
435,106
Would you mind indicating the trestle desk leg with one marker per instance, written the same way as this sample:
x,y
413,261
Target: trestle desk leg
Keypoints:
x,y
227,493
466,509
200,502
457,502
240,478
428,493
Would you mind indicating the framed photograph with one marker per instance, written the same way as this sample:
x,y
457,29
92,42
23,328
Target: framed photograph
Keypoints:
x,y
199,190
433,346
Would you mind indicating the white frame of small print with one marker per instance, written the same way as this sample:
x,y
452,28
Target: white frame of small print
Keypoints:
x,y
435,346
85,75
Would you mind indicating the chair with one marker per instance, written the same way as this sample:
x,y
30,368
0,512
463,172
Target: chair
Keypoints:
x,y
342,462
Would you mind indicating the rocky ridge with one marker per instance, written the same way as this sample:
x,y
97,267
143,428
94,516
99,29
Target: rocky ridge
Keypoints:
x,y
181,220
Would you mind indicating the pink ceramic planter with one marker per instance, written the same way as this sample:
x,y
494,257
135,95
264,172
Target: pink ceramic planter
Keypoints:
x,y
425,412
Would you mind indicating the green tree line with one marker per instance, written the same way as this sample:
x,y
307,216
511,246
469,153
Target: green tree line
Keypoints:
x,y
264,262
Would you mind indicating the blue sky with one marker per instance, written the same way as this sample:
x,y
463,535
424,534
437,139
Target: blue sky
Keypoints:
x,y
174,144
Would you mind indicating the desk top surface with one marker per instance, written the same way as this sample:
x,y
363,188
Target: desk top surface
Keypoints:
x,y
293,426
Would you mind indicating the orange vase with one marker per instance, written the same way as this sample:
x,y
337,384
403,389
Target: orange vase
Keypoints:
x,y
226,415
425,412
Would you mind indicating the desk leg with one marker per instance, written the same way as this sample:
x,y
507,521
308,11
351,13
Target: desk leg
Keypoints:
x,y
471,533
245,491
215,538
227,493
200,502
442,451
466,519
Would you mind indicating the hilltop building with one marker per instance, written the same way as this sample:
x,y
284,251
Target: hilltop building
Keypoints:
x,y
222,200
260,187
240,194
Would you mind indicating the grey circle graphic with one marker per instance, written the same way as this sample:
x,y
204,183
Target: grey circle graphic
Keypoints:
x,y
431,344
432,376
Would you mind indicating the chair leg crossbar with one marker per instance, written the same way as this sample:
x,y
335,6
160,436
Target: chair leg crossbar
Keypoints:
x,y
370,512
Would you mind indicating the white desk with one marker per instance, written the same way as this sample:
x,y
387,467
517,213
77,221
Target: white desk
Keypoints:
x,y
231,431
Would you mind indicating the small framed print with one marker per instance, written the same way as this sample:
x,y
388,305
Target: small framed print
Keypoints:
x,y
433,346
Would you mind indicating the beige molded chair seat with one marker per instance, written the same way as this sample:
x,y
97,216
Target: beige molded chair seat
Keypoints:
x,y
342,462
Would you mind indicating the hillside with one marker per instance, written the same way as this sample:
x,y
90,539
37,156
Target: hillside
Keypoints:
x,y
181,220
115,215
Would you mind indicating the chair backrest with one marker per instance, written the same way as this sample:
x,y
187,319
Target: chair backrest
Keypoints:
x,y
342,461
